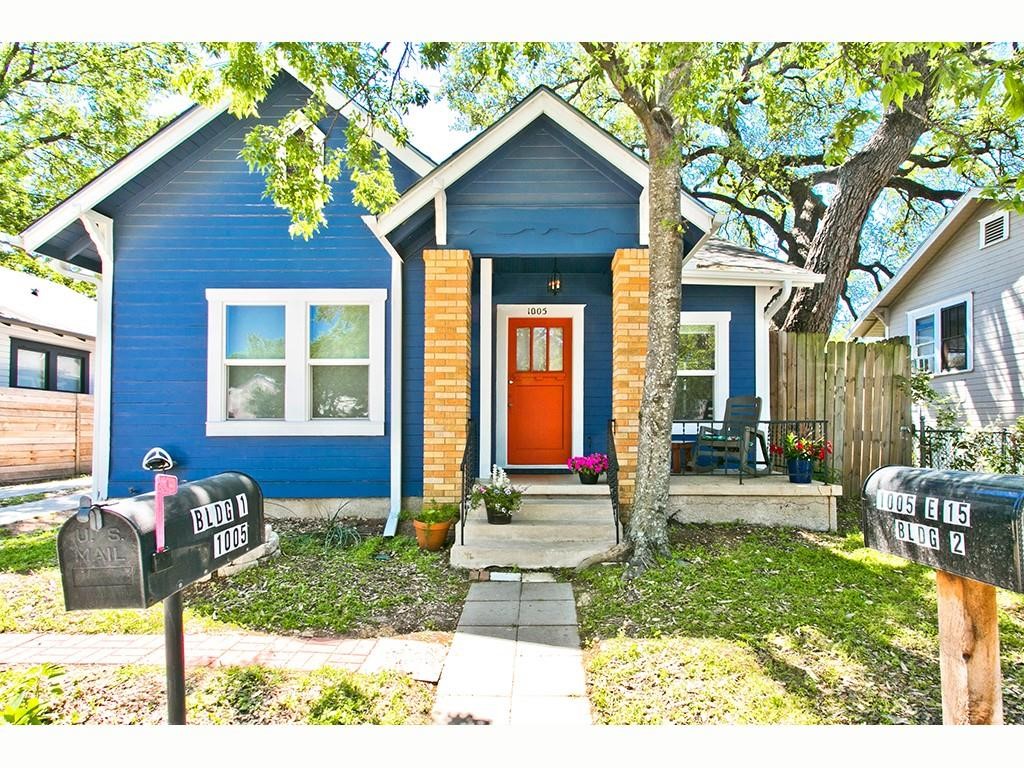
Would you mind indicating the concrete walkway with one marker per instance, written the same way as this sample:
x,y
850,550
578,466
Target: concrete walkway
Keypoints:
x,y
422,660
515,659
64,498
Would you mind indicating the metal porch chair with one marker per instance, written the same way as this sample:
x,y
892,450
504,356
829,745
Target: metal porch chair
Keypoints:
x,y
734,440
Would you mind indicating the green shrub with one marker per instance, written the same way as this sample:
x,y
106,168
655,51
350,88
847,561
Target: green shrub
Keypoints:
x,y
437,513
26,698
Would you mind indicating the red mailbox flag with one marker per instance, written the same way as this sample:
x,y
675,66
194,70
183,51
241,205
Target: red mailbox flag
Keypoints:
x,y
164,485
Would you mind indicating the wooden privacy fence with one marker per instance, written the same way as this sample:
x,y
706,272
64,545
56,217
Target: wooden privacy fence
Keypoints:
x,y
44,435
860,389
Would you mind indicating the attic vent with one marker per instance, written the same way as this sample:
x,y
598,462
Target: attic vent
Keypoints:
x,y
994,229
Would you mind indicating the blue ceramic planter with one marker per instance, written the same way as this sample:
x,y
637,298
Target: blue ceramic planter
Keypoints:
x,y
799,470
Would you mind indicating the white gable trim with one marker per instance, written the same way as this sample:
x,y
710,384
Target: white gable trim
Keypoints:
x,y
921,255
541,102
165,140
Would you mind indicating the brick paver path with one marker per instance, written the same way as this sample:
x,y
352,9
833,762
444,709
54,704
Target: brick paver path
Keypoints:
x,y
515,659
422,660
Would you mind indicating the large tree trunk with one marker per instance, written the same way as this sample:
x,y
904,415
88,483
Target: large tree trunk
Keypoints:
x,y
833,251
647,531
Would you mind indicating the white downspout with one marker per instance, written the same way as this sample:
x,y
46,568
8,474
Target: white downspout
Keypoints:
x,y
779,300
395,506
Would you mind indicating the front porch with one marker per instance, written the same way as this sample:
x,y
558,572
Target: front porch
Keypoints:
x,y
562,522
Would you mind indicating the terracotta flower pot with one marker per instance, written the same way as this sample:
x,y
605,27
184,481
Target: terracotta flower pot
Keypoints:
x,y
431,536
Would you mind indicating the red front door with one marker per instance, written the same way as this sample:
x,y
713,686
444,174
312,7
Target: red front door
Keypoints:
x,y
539,390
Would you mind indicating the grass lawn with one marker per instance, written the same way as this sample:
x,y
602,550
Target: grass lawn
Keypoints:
x,y
375,586
226,695
754,625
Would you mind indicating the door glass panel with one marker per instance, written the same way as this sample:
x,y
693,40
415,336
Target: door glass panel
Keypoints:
x,y
522,349
31,369
69,373
255,333
555,349
341,391
255,392
540,349
339,333
695,397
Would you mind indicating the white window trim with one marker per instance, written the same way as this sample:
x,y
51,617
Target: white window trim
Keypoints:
x,y
296,421
721,321
935,310
1005,216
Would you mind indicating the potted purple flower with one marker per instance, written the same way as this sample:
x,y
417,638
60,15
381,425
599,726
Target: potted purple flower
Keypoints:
x,y
589,468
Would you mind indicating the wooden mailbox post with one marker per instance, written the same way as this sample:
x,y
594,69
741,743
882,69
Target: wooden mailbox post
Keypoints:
x,y
968,526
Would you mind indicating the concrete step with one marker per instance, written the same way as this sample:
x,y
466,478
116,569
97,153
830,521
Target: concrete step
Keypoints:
x,y
545,532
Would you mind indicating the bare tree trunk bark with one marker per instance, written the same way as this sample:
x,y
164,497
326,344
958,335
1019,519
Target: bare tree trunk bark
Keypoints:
x,y
834,250
647,531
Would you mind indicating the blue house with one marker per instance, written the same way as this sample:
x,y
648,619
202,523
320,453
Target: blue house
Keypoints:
x,y
507,286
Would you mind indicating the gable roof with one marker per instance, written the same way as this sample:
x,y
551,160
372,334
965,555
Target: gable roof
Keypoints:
x,y
166,139
918,261
542,101
33,301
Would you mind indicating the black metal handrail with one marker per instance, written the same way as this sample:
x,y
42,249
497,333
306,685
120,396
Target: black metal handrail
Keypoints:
x,y
468,472
613,475
775,431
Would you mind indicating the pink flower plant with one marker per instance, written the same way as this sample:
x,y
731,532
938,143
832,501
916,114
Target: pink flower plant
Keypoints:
x,y
594,464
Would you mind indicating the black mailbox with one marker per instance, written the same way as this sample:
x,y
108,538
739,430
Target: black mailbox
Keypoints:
x,y
966,523
108,556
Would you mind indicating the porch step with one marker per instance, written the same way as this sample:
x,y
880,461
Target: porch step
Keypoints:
x,y
546,532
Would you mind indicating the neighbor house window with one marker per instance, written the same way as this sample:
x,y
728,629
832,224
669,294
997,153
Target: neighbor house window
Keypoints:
x,y
44,366
941,337
702,369
296,362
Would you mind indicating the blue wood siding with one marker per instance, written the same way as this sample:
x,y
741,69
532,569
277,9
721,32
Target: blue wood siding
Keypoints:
x,y
202,223
739,300
543,192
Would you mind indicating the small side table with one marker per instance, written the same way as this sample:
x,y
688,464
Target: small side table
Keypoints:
x,y
682,455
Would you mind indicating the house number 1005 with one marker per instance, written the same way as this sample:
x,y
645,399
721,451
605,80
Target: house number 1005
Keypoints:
x,y
537,311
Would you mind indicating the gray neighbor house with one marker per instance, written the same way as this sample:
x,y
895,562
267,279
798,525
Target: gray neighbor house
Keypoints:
x,y
960,301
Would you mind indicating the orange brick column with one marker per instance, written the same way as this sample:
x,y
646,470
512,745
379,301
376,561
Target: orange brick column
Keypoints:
x,y
446,369
630,282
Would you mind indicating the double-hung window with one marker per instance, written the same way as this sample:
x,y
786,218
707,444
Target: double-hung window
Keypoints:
x,y
702,370
295,362
941,337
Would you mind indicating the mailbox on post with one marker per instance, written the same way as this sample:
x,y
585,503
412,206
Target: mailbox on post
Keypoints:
x,y
968,527
139,551
109,559
965,523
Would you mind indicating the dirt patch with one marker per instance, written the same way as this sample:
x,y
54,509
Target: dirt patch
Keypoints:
x,y
41,523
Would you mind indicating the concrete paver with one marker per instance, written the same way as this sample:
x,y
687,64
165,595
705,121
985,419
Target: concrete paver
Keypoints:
x,y
546,591
502,613
494,590
472,710
547,613
547,641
